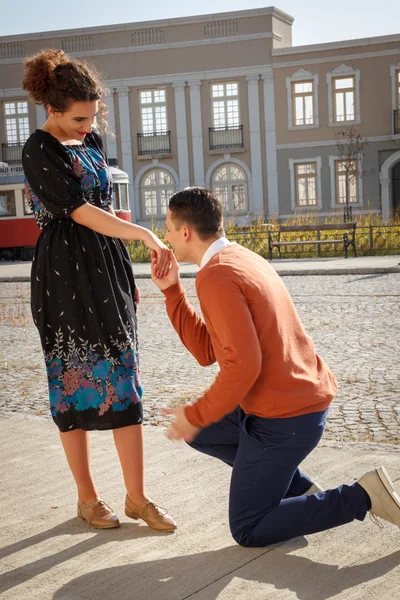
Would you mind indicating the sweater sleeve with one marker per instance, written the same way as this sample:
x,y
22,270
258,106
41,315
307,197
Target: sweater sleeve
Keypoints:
x,y
239,354
189,325
49,172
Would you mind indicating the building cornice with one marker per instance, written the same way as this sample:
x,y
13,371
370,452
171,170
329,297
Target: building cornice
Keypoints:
x,y
153,47
121,27
335,58
383,39
314,144
183,78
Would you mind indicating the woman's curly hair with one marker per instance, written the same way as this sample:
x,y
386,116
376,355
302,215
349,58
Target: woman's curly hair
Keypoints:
x,y
53,78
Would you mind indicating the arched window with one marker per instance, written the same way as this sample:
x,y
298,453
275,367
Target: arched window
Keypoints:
x,y
229,182
157,186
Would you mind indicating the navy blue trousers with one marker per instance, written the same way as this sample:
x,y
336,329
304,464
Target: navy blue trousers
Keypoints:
x,y
266,504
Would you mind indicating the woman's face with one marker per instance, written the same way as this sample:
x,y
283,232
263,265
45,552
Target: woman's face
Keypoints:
x,y
77,121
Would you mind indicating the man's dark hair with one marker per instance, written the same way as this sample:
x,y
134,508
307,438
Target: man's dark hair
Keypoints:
x,y
199,208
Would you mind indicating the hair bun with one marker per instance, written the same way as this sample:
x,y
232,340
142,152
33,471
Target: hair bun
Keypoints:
x,y
39,70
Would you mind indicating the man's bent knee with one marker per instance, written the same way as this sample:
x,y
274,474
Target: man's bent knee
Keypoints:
x,y
243,538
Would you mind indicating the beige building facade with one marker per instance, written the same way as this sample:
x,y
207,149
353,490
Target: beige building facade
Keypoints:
x,y
226,101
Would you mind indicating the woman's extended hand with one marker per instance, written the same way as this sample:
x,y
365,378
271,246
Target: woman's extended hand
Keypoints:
x,y
162,252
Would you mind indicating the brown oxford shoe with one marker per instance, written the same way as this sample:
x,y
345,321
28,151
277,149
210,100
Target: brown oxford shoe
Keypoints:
x,y
156,517
98,514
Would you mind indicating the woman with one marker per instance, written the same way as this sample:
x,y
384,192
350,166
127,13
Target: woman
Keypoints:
x,y
83,291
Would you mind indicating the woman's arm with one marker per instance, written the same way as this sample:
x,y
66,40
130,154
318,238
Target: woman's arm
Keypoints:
x,y
103,222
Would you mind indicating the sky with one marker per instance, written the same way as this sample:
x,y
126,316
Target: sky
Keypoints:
x,y
316,21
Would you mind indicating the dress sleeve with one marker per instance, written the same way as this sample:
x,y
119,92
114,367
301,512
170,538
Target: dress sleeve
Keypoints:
x,y
48,170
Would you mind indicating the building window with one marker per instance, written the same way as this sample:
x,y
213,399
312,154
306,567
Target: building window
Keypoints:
x,y
303,103
120,196
340,179
7,204
302,99
229,183
306,184
16,122
344,99
225,104
398,90
153,110
157,187
343,96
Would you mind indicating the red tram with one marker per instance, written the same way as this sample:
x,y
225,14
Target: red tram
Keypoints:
x,y
18,229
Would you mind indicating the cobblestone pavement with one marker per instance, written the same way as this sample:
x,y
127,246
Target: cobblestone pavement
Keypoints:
x,y
354,321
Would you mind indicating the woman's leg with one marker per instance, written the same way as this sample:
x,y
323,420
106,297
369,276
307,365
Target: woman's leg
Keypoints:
x,y
129,444
77,450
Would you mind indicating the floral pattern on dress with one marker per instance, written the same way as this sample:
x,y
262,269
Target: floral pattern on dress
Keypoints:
x,y
91,377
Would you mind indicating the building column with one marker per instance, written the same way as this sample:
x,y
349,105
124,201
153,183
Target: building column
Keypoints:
x,y
110,136
255,145
41,115
181,133
385,199
270,135
126,145
197,132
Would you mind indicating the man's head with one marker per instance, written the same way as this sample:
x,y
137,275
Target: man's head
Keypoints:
x,y
193,222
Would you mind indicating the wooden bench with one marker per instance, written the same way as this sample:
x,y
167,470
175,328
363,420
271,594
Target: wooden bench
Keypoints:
x,y
347,239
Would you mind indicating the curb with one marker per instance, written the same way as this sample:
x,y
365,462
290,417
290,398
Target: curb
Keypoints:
x,y
288,273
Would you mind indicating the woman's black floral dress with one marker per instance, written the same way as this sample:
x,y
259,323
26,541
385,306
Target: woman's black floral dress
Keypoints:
x,y
83,290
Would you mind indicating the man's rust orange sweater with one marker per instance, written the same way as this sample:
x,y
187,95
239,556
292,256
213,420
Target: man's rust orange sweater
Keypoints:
x,y
267,361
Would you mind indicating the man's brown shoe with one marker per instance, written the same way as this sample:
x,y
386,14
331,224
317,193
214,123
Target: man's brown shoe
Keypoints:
x,y
385,502
98,514
155,517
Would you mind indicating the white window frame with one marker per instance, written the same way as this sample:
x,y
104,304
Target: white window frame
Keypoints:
x,y
394,69
343,71
158,215
16,116
292,163
332,169
225,99
153,105
299,77
230,183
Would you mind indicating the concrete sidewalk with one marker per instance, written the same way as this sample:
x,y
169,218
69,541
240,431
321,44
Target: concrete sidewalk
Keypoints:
x,y
360,265
48,553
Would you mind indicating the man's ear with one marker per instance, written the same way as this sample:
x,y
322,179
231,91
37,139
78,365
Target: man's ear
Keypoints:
x,y
187,233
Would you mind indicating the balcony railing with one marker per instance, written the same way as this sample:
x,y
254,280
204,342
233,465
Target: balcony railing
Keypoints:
x,y
226,137
396,122
154,143
12,153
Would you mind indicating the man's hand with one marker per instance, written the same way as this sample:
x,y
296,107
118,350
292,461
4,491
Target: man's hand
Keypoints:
x,y
172,276
180,428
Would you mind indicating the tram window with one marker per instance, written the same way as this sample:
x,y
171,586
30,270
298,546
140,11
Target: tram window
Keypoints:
x,y
123,196
27,206
120,196
7,204
115,197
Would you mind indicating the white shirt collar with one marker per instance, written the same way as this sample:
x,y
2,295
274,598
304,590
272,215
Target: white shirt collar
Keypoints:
x,y
215,247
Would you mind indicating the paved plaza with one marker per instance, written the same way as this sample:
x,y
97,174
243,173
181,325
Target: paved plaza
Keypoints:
x,y
354,321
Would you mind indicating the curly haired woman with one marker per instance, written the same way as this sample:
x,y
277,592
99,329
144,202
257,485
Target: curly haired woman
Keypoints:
x,y
83,293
